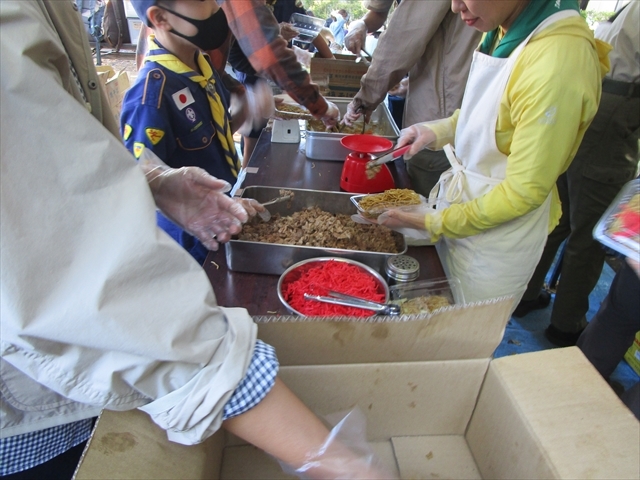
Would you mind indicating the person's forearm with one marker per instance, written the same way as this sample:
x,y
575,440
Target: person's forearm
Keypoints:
x,y
374,20
323,49
258,34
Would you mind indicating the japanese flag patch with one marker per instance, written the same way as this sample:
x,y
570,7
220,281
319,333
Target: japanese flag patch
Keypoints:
x,y
183,98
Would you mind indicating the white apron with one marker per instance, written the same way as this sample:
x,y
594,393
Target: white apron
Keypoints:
x,y
499,261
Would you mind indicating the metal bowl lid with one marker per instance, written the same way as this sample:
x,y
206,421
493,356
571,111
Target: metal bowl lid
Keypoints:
x,y
402,268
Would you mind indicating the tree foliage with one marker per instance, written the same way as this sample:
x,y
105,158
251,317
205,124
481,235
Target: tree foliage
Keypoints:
x,y
323,8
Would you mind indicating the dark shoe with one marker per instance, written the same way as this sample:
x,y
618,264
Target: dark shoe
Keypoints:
x,y
526,306
560,338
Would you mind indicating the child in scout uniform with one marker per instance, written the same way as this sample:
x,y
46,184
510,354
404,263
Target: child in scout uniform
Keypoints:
x,y
178,107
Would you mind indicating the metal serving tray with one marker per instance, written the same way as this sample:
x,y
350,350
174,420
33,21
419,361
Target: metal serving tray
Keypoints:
x,y
274,259
327,146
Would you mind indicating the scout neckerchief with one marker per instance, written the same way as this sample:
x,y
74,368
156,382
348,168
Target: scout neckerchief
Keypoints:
x,y
207,81
533,14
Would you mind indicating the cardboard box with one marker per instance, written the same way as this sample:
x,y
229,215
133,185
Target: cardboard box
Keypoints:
x,y
545,415
339,77
633,354
115,85
436,405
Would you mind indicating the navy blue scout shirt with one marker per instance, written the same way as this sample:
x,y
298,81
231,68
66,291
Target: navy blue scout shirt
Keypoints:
x,y
170,114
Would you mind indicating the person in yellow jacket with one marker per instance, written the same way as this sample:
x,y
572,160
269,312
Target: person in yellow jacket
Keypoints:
x,y
534,87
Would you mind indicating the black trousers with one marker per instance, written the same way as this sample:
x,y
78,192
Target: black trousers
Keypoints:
x,y
612,330
61,467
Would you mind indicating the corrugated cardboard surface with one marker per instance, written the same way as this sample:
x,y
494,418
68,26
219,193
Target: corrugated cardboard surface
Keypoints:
x,y
460,332
339,77
437,456
537,415
550,414
127,445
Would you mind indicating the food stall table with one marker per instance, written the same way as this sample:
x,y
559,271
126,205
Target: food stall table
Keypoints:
x,y
285,165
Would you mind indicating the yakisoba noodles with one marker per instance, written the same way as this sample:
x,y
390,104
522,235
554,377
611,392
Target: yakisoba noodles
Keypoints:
x,y
423,304
395,197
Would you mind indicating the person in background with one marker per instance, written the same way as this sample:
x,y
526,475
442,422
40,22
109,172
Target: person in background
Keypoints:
x,y
246,74
436,48
337,27
612,330
258,34
104,311
533,90
606,160
178,107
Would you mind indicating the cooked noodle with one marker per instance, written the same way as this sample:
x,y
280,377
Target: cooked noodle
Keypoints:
x,y
395,197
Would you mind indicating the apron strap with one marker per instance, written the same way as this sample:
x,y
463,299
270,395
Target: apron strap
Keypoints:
x,y
451,182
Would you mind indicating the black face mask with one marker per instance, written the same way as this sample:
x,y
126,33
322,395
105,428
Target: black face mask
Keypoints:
x,y
212,32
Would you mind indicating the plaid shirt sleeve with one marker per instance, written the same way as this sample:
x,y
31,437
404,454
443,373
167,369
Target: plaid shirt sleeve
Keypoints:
x,y
258,34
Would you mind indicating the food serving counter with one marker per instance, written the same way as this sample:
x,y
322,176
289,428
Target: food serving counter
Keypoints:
x,y
285,165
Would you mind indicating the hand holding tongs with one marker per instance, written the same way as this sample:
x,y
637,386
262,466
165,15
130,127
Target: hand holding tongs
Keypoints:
x,y
348,301
284,196
389,157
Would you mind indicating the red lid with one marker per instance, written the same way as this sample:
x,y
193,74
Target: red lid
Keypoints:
x,y
366,143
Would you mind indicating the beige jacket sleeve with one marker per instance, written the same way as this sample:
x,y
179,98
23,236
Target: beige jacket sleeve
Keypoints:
x,y
98,305
399,48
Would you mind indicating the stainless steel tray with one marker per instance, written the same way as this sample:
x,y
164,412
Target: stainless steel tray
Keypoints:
x,y
327,146
274,259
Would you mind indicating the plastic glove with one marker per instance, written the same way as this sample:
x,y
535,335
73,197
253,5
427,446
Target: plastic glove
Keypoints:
x,y
345,453
287,31
194,200
259,106
251,206
419,135
410,221
356,37
355,110
331,116
303,56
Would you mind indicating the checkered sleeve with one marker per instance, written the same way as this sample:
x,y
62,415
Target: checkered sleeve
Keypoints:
x,y
22,452
257,382
258,33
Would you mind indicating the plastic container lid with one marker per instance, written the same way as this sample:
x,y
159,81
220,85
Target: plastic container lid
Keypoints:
x,y
308,27
402,268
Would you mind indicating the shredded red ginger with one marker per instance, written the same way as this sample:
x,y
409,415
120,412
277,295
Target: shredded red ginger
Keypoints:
x,y
332,275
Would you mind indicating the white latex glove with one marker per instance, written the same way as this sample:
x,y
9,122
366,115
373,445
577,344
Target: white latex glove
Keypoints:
x,y
331,116
410,221
355,110
259,104
418,135
356,38
194,200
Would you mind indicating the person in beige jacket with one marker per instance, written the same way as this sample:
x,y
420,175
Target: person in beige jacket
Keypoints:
x,y
101,309
428,41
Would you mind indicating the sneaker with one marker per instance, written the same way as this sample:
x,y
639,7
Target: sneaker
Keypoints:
x,y
526,306
560,338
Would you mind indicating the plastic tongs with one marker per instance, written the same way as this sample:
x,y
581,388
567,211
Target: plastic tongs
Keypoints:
x,y
348,301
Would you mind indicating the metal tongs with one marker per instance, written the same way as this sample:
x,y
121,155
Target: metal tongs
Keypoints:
x,y
373,167
349,301
284,196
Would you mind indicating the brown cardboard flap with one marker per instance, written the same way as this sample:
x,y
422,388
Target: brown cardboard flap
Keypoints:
x,y
550,414
126,445
439,456
249,463
398,399
460,332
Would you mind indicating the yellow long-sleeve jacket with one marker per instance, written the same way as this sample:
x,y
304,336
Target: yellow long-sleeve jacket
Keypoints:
x,y
562,66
